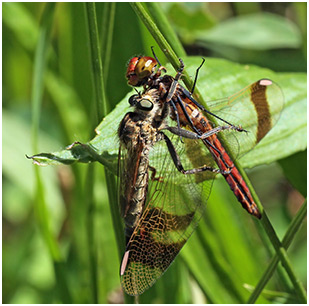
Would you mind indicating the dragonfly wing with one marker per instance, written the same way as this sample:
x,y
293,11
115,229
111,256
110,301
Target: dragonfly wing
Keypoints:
x,y
256,108
175,203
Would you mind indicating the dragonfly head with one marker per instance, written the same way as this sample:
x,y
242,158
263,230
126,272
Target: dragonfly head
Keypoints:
x,y
140,69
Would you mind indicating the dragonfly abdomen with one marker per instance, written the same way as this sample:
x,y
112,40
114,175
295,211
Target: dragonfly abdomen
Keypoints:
x,y
224,162
234,179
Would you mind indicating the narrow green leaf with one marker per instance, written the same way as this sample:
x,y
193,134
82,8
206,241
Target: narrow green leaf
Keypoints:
x,y
165,27
40,203
286,241
18,19
101,102
107,34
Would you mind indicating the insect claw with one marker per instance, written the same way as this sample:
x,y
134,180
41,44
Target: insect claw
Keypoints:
x,y
225,172
162,68
239,129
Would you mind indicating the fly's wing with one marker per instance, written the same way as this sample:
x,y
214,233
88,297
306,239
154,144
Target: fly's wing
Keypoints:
x,y
175,203
256,108
128,162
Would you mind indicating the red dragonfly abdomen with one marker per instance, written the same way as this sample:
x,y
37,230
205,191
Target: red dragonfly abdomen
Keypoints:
x,y
224,162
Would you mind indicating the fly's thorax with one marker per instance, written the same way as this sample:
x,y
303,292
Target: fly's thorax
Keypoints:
x,y
129,129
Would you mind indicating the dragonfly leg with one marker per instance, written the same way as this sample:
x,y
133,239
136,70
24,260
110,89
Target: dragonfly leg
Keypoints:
x,y
193,135
221,128
178,164
196,75
177,116
173,86
155,56
182,132
153,175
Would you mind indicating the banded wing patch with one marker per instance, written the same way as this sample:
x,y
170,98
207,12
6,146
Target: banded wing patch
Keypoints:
x,y
256,108
175,203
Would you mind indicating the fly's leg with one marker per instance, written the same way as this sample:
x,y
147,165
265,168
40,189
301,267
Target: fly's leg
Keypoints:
x,y
178,164
153,175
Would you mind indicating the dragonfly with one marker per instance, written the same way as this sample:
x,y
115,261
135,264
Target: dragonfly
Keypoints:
x,y
169,155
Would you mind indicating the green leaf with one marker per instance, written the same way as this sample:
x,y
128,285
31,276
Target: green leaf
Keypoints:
x,y
260,31
295,169
189,18
286,138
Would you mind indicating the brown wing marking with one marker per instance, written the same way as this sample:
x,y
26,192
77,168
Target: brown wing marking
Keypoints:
x,y
259,99
158,237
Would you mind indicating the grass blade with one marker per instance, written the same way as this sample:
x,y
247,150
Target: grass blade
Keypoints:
x,y
286,241
40,203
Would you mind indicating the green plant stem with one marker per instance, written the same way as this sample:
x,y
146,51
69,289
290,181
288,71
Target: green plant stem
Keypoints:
x,y
173,58
101,104
90,226
280,249
286,241
100,92
107,34
155,32
164,26
283,277
40,206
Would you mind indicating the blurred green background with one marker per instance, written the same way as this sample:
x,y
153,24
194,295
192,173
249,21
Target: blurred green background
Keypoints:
x,y
226,252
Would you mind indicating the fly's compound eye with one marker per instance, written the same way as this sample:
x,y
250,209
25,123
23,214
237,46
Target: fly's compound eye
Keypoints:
x,y
132,100
144,104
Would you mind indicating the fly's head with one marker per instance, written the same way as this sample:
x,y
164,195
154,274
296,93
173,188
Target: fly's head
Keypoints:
x,y
140,69
148,104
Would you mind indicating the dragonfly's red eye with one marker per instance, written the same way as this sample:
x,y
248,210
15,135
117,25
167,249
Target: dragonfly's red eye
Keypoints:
x,y
132,65
144,67
139,69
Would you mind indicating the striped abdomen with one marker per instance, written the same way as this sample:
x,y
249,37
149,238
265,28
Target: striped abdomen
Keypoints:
x,y
224,162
